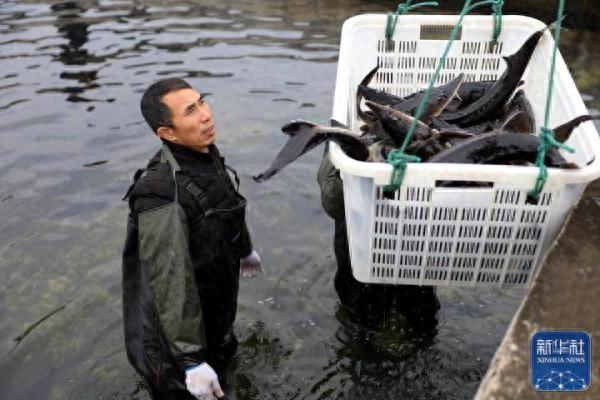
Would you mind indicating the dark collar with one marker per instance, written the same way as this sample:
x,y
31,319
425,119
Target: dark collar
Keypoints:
x,y
186,156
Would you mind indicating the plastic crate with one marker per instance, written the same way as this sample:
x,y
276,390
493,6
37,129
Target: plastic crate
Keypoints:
x,y
428,235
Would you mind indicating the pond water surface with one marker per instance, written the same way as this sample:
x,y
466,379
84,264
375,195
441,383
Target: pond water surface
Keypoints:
x,y
71,136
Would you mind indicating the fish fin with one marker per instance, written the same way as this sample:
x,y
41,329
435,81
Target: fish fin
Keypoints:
x,y
359,94
562,132
337,124
518,123
301,141
294,126
367,79
450,134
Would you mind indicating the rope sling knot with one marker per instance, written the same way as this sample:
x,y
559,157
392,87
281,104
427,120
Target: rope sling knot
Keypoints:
x,y
546,134
402,9
547,141
497,6
398,159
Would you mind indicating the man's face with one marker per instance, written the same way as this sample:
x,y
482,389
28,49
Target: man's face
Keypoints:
x,y
193,125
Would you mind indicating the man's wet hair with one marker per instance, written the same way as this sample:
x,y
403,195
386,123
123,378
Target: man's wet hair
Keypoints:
x,y
155,112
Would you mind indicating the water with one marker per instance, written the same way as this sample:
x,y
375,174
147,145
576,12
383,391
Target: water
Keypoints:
x,y
71,76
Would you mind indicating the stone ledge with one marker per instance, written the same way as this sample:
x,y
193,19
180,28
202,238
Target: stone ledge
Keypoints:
x,y
565,295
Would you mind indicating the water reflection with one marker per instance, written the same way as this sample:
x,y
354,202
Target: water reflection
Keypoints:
x,y
71,74
74,28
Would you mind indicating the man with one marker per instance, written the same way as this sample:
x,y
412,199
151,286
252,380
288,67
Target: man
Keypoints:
x,y
186,243
367,304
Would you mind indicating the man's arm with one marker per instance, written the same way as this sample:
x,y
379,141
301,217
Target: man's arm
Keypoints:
x,y
147,348
164,254
246,244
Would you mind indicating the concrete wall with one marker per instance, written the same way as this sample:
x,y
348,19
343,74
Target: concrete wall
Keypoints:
x,y
565,295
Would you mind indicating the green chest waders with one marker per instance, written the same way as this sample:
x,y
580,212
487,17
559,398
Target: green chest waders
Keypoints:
x,y
164,255
193,268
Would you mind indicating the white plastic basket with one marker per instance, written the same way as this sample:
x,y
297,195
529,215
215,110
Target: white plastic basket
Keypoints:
x,y
454,236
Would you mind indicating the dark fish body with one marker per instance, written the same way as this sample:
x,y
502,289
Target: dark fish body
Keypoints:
x,y
425,148
397,123
379,96
440,124
472,91
350,144
425,142
375,133
518,122
437,141
467,93
520,102
439,97
496,96
499,148
483,127
524,123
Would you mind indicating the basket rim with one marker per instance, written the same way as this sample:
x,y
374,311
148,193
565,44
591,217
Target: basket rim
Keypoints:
x,y
518,176
381,19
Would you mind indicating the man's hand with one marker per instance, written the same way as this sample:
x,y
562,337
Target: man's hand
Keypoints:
x,y
251,266
203,383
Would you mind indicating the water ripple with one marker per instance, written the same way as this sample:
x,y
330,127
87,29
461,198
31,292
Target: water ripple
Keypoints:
x,y
71,77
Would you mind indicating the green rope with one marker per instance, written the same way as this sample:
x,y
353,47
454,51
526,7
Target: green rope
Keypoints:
x,y
497,8
402,9
547,141
497,14
546,134
399,157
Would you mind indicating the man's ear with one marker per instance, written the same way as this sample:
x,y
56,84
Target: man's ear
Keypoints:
x,y
164,132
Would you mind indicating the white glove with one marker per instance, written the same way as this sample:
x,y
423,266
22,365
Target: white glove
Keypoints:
x,y
203,383
251,266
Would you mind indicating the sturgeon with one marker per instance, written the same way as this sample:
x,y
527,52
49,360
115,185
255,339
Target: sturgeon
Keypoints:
x,y
397,124
501,90
305,136
439,98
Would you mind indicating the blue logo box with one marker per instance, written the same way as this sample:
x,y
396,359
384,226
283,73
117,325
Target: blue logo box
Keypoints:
x,y
561,361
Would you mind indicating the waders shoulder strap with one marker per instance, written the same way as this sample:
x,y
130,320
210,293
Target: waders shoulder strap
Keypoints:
x,y
197,193
167,156
235,175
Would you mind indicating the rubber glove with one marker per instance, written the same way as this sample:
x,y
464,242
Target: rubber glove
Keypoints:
x,y
251,266
203,383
